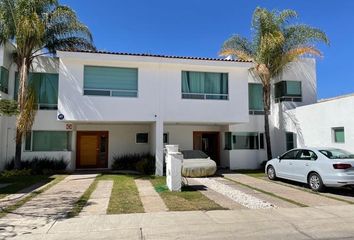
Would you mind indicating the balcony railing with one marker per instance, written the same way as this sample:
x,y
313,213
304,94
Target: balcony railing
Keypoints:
x,y
205,96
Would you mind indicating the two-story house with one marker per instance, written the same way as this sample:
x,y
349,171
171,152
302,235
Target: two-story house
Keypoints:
x,y
93,106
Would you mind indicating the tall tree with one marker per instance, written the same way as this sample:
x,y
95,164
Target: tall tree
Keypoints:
x,y
275,43
37,27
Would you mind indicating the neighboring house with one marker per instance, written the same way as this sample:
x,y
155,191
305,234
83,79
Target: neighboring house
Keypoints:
x,y
328,123
96,105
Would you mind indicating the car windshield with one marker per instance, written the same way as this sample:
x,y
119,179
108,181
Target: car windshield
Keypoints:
x,y
336,153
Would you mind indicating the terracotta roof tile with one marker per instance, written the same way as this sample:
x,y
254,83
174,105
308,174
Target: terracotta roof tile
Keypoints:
x,y
160,56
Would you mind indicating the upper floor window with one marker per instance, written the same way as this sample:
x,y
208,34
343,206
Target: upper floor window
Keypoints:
x,y
110,81
205,85
45,86
288,91
4,80
255,98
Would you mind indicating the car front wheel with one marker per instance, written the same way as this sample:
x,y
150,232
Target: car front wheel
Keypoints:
x,y
271,173
315,182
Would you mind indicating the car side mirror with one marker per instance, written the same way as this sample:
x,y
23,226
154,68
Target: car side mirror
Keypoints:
x,y
279,158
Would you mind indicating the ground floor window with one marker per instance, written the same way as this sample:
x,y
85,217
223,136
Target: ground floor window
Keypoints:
x,y
338,135
48,141
241,140
165,138
142,138
290,140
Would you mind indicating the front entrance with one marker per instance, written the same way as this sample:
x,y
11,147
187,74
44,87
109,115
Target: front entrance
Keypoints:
x,y
92,149
208,142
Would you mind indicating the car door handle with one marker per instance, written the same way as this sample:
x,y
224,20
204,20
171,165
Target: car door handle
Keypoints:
x,y
306,164
290,163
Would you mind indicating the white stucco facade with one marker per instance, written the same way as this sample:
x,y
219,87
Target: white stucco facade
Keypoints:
x,y
158,108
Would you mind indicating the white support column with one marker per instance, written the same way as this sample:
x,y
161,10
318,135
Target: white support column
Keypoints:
x,y
158,132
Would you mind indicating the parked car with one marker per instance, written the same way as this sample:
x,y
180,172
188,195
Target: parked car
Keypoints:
x,y
197,164
319,167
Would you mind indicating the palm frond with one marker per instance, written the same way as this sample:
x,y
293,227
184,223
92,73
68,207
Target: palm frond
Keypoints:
x,y
285,15
239,47
302,34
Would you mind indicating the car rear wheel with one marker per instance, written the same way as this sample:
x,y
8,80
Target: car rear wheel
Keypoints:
x,y
271,173
315,182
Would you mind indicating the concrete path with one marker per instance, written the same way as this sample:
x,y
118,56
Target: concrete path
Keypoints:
x,y
274,200
40,213
220,199
12,199
296,195
151,200
329,222
99,199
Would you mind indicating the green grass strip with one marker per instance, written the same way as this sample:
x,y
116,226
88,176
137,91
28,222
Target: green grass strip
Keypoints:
x,y
189,199
11,208
81,203
268,193
125,196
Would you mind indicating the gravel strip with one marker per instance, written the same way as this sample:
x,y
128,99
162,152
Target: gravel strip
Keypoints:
x,y
236,195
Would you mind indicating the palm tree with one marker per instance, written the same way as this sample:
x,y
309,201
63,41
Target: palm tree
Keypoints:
x,y
37,27
275,43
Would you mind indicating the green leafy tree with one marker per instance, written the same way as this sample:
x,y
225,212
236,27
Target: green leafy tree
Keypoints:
x,y
275,43
37,27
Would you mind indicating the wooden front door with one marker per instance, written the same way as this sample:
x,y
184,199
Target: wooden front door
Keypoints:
x,y
208,142
92,149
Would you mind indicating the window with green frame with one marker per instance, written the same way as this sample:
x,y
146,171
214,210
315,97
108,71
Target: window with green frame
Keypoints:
x,y
205,85
110,81
48,141
4,80
288,91
255,98
45,86
338,135
241,140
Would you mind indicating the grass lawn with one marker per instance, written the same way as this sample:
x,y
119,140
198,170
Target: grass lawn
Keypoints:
x,y
125,196
17,183
50,180
188,199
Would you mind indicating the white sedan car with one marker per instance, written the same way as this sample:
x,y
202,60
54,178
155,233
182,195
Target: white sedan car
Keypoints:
x,y
319,167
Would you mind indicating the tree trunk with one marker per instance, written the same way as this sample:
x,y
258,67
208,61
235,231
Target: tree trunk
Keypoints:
x,y
21,98
266,101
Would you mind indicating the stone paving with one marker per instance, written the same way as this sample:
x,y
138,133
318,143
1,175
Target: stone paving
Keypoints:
x,y
294,194
220,199
151,200
40,213
99,199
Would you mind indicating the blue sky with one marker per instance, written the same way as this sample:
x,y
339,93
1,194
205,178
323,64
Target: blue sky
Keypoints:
x,y
199,27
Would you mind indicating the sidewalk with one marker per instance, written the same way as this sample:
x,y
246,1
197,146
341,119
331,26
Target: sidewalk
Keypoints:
x,y
294,223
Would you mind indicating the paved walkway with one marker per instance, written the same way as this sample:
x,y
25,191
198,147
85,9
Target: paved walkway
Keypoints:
x,y
151,200
329,222
40,213
12,199
99,199
296,195
262,196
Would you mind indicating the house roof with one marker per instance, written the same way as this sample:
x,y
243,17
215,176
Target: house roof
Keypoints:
x,y
335,98
159,56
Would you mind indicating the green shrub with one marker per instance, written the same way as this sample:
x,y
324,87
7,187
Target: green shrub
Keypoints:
x,y
15,173
144,163
40,165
